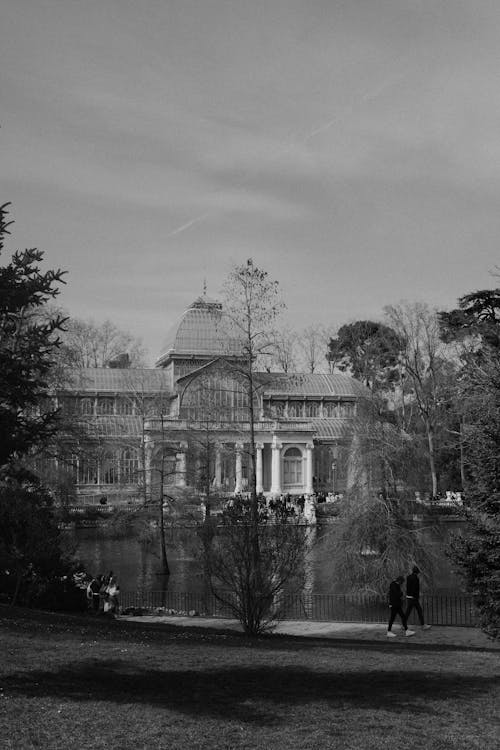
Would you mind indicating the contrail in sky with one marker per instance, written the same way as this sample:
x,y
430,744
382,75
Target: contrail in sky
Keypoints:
x,y
189,224
369,96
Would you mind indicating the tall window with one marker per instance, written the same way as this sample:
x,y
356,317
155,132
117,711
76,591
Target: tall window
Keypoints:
x,y
292,468
109,468
87,471
129,465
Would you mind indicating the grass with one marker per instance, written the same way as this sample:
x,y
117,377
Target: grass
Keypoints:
x,y
82,682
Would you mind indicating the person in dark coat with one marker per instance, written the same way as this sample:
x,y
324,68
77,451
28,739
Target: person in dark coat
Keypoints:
x,y
396,605
412,597
93,590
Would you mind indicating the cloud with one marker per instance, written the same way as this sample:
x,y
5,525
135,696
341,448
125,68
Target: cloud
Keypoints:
x,y
346,145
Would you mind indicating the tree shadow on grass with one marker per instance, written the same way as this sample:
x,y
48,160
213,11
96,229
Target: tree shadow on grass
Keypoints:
x,y
261,695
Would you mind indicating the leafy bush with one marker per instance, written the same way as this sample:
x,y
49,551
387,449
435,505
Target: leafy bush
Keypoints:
x,y
34,571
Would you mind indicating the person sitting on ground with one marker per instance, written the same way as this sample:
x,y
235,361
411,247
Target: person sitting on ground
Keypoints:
x,y
412,597
396,605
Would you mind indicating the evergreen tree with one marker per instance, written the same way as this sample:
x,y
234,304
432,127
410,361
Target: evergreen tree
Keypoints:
x,y
28,344
477,323
368,350
33,568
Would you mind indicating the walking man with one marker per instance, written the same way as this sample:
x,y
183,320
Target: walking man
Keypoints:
x,y
396,605
412,597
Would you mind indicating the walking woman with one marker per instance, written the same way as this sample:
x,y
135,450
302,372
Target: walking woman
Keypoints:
x,y
396,605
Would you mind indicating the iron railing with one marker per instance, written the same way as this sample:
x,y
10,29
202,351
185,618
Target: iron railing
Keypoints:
x,y
455,610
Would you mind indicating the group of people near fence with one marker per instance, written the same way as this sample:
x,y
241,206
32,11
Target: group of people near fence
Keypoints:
x,y
103,595
396,603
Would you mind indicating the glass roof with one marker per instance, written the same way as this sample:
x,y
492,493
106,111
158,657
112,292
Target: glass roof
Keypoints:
x,y
202,330
312,384
117,380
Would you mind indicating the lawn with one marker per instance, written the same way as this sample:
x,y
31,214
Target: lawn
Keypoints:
x,y
77,682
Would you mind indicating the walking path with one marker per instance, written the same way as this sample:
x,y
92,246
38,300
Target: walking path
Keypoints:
x,y
356,631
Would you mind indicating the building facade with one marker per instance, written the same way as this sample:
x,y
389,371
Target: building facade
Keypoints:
x,y
185,422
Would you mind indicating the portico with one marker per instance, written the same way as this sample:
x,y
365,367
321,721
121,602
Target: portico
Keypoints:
x,y
283,461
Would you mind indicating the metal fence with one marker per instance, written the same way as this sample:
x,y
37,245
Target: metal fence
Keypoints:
x,y
456,610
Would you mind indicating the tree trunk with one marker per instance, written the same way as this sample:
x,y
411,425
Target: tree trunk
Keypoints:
x,y
432,457
462,455
163,543
253,488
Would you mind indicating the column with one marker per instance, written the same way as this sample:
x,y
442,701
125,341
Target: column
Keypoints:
x,y
276,466
309,469
218,467
259,486
148,465
181,467
238,469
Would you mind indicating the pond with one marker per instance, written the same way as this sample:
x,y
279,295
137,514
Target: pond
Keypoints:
x,y
136,562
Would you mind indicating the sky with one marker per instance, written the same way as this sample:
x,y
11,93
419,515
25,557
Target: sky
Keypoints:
x,y
350,147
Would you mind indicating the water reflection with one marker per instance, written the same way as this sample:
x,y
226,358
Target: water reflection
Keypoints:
x,y
137,563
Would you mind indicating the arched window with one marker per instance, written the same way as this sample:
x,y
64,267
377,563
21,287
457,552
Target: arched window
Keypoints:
x,y
330,409
105,405
349,409
87,407
125,405
278,408
312,409
292,468
295,409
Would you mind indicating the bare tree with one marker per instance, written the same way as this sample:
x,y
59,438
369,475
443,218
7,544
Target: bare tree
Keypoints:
x,y
229,556
426,368
284,355
90,344
251,556
312,343
253,303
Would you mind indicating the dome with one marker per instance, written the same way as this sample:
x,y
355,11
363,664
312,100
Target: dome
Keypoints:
x,y
201,331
